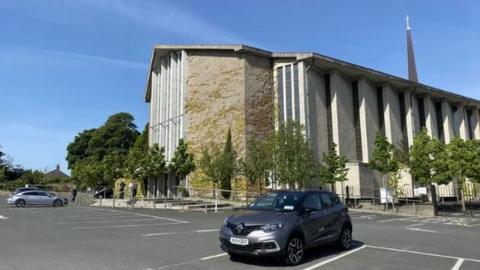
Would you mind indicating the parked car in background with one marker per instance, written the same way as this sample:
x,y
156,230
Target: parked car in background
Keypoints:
x,y
64,200
285,223
23,189
34,197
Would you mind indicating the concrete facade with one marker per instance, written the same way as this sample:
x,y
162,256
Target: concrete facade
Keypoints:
x,y
216,87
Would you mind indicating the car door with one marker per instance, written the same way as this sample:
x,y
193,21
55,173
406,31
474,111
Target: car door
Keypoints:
x,y
43,198
31,197
331,206
313,220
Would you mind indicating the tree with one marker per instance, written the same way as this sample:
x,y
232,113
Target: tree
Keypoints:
x,y
210,163
463,162
135,164
106,146
228,166
383,158
333,168
182,162
420,159
258,162
294,161
155,164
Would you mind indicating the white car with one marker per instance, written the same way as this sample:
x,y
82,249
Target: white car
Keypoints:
x,y
34,197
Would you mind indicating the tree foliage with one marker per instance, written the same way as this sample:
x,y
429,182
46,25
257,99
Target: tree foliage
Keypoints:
x,y
102,149
183,162
334,167
135,164
258,162
228,165
155,164
295,164
383,156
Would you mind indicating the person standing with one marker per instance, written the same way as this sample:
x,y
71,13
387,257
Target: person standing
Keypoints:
x,y
122,190
74,194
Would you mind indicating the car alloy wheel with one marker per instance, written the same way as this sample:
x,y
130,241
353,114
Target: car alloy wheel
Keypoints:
x,y
20,203
57,203
295,251
346,238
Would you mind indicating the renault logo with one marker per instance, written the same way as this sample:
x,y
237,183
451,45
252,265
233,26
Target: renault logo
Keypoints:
x,y
239,228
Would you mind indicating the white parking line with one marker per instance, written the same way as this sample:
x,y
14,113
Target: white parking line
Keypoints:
x,y
190,262
87,216
334,258
125,226
173,233
422,253
3,217
413,228
458,264
104,221
156,217
397,219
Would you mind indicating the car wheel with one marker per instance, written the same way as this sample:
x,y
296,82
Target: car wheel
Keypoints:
x,y
20,203
345,240
295,251
57,203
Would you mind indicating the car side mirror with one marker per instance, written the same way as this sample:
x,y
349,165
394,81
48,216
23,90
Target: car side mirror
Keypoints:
x,y
309,210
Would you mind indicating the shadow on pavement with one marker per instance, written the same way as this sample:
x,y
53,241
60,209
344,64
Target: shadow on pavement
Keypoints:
x,y
310,255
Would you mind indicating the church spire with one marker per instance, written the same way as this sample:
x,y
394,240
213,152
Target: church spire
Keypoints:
x,y
412,67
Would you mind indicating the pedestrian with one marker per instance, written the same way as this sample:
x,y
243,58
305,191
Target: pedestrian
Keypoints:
x,y
122,190
74,194
134,190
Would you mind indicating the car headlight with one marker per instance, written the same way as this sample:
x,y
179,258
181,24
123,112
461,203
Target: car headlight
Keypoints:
x,y
272,227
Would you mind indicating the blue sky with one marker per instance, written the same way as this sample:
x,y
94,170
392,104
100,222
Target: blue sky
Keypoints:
x,y
65,66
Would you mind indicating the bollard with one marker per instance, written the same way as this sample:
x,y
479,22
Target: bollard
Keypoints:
x,y
113,202
165,203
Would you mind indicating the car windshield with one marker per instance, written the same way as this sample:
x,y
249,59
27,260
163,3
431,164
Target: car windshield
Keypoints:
x,y
277,201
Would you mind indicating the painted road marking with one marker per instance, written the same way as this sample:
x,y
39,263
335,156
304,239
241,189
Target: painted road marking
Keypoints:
x,y
397,219
125,226
104,221
334,258
422,253
458,264
412,228
190,262
3,217
173,233
156,217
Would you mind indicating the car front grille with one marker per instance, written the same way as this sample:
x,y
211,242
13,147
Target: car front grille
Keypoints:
x,y
249,248
245,231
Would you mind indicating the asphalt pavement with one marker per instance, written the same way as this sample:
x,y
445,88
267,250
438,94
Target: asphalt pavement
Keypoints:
x,y
76,237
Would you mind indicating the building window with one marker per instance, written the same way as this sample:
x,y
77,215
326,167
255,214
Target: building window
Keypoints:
x,y
470,124
403,119
328,104
455,124
421,111
288,93
381,120
356,120
439,118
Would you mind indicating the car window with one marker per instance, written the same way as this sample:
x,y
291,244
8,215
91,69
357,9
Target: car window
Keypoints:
x,y
312,201
326,200
31,193
335,199
42,194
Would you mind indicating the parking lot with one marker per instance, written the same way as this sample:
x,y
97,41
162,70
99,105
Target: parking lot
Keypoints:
x,y
94,238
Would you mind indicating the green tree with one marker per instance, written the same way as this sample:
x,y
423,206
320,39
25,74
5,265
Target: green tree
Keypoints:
x,y
463,162
155,164
210,163
258,162
333,168
294,161
228,166
183,162
106,147
383,158
135,164
31,177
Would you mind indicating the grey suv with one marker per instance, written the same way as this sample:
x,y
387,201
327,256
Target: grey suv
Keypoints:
x,y
285,223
